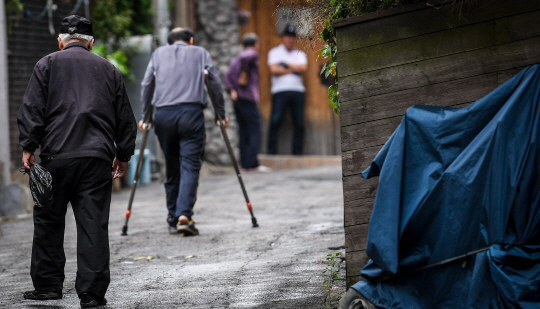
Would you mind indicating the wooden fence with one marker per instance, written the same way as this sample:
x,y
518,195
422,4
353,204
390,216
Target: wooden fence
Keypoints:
x,y
437,53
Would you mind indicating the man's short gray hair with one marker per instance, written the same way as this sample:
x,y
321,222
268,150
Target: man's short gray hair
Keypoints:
x,y
250,39
66,37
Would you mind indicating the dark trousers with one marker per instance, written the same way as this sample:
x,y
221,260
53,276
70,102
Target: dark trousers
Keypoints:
x,y
280,102
86,183
180,131
249,132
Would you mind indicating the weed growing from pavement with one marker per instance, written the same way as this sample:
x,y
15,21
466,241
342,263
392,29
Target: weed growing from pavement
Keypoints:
x,y
330,274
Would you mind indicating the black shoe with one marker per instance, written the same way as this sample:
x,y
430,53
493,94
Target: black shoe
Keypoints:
x,y
188,229
90,301
35,295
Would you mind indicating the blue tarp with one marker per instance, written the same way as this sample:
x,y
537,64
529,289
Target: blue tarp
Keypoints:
x,y
452,181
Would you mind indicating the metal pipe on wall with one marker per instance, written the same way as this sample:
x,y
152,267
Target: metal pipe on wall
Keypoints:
x,y
5,168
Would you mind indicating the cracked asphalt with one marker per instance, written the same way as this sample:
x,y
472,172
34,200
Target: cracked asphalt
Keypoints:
x,y
230,265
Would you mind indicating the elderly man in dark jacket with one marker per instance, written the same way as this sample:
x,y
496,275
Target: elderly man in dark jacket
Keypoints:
x,y
76,109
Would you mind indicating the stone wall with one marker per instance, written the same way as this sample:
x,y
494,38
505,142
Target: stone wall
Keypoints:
x,y
217,31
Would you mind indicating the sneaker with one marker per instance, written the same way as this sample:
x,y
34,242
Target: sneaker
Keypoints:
x,y
35,295
263,169
90,301
188,229
173,230
260,168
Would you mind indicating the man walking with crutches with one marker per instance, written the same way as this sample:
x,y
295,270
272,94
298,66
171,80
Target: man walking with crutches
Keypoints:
x,y
174,85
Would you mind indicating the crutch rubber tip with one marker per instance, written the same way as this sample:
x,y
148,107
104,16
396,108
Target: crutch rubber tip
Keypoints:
x,y
254,221
124,231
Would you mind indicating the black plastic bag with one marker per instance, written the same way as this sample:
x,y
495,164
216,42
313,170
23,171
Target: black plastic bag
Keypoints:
x,y
40,186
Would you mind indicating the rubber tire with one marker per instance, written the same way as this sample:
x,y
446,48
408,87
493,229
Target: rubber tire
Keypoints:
x,y
354,300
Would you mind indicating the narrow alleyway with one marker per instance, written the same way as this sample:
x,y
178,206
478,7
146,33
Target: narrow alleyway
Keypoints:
x,y
230,265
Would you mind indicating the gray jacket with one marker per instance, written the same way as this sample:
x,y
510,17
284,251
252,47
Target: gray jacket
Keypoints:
x,y
175,75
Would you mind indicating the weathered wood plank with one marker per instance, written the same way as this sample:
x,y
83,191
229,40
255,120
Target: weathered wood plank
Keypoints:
x,y
504,76
398,10
427,20
416,49
356,237
358,211
355,187
361,142
358,160
355,262
395,104
477,62
354,279
440,44
369,134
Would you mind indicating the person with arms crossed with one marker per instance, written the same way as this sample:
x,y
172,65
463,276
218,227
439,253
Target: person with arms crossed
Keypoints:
x,y
174,84
76,109
288,91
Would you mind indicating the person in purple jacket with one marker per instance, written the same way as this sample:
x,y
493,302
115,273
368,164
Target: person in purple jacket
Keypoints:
x,y
242,82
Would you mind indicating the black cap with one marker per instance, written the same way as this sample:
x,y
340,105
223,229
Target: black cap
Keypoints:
x,y
290,30
76,24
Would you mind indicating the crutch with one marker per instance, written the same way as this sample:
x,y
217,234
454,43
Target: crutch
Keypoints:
x,y
221,123
146,127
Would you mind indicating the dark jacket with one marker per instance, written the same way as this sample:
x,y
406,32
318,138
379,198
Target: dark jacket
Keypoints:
x,y
76,106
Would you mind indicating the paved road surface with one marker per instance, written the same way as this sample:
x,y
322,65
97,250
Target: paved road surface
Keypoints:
x,y
230,265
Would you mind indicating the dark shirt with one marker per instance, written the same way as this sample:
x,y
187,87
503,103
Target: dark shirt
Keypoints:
x,y
175,75
76,105
247,61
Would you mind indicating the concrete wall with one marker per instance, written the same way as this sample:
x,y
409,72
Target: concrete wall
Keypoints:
x,y
443,54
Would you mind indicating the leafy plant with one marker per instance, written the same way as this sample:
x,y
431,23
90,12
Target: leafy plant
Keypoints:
x,y
119,59
113,20
330,68
331,273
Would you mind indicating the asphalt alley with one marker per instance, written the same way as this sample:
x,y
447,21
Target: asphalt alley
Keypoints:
x,y
230,265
